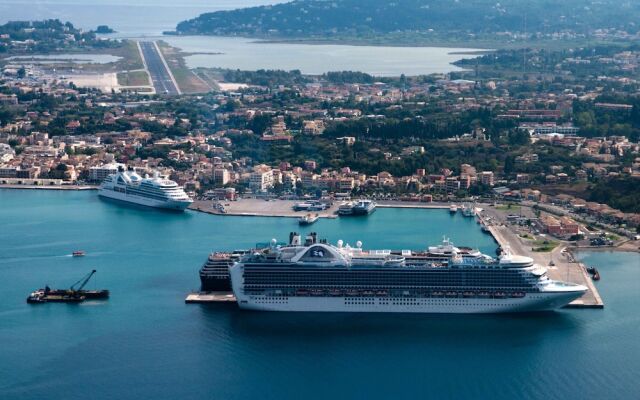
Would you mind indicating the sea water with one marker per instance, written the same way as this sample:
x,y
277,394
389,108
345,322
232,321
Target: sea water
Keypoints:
x,y
145,342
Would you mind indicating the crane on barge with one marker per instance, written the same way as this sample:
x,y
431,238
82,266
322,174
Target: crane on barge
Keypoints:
x,y
75,294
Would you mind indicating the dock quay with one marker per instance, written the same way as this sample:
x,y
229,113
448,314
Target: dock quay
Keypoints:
x,y
210,297
564,268
250,207
261,208
399,204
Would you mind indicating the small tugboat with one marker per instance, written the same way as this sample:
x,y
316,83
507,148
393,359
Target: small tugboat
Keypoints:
x,y
308,219
78,253
75,294
468,211
596,275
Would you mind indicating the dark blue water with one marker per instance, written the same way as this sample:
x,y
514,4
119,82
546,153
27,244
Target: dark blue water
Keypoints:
x,y
145,342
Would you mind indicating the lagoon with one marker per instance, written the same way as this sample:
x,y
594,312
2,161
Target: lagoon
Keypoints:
x,y
315,59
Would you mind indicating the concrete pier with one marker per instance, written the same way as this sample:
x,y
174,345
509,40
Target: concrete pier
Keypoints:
x,y
210,297
564,267
261,208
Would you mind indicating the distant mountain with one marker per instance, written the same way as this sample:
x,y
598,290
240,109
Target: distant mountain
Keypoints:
x,y
355,18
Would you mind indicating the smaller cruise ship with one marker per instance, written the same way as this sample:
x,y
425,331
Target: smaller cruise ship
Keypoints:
x,y
214,274
157,191
364,207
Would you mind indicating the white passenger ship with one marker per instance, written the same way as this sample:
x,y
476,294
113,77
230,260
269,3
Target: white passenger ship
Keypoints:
x,y
316,276
156,192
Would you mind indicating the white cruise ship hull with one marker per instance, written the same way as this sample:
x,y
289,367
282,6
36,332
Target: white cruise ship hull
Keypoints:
x,y
531,302
144,201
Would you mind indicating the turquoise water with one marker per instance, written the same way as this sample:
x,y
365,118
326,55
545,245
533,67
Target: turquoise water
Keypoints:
x,y
145,342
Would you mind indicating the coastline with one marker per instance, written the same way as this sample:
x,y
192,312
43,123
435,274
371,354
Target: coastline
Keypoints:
x,y
625,247
259,208
50,187
483,46
284,208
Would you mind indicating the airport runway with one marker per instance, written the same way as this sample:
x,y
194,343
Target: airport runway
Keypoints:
x,y
161,77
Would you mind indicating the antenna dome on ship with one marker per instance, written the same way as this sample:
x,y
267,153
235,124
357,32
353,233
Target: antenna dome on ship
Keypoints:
x,y
358,244
340,243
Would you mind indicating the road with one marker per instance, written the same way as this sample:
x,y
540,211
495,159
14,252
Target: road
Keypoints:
x,y
161,77
563,268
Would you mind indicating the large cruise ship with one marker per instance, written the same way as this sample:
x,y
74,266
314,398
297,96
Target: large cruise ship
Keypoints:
x,y
317,276
156,192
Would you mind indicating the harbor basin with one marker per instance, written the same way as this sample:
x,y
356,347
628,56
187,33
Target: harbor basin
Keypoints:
x,y
146,342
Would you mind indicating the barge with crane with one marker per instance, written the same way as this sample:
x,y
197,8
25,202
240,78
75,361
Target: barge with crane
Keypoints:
x,y
75,294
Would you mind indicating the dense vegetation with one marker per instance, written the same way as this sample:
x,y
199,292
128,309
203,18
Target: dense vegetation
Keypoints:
x,y
366,156
104,29
506,63
594,121
263,77
45,36
621,193
341,77
303,18
424,127
272,78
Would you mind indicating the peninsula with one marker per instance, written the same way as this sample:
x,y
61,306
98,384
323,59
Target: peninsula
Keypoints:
x,y
418,22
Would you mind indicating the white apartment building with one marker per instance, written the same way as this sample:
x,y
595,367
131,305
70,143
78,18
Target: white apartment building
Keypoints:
x,y
261,180
98,173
